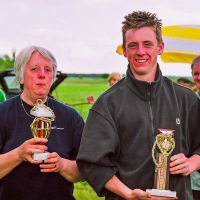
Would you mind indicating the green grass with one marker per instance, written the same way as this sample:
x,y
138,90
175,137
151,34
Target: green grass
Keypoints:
x,y
73,91
83,191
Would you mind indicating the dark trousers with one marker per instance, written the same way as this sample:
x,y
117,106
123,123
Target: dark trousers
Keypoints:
x,y
196,194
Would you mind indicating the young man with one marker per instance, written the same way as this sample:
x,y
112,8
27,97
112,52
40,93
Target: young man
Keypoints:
x,y
115,155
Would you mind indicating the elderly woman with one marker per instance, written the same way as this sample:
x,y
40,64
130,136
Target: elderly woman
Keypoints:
x,y
22,177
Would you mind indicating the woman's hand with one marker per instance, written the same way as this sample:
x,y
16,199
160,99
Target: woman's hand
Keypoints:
x,y
30,147
53,163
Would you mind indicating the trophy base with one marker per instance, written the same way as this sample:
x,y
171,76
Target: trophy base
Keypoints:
x,y
162,194
40,156
163,198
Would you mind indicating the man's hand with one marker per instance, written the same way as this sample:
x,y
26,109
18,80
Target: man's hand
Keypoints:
x,y
118,187
179,164
138,194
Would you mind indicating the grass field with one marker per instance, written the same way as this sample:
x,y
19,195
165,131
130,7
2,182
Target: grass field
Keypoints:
x,y
73,91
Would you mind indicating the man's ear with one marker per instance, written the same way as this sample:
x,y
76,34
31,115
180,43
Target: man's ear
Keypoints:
x,y
124,51
161,48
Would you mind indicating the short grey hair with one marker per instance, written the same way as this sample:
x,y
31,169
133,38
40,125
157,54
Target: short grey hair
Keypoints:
x,y
24,56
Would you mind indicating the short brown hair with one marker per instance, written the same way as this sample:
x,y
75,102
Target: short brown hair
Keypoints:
x,y
139,19
195,61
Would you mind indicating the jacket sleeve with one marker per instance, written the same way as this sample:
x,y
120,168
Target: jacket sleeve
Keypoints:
x,y
194,128
98,151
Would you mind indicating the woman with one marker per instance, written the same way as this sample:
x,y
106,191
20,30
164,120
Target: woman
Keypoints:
x,y
21,177
114,78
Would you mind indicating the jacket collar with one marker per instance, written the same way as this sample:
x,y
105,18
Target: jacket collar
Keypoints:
x,y
143,88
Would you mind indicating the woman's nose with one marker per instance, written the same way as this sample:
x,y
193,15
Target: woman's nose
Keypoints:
x,y
41,73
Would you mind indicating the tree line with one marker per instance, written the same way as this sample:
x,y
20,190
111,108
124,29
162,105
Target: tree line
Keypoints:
x,y
6,62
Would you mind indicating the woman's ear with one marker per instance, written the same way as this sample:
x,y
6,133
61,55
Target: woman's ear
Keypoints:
x,y
21,81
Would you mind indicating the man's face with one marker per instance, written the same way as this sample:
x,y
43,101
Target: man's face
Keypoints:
x,y
196,75
38,76
141,50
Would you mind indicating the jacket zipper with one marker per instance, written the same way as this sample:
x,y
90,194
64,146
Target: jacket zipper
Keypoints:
x,y
150,111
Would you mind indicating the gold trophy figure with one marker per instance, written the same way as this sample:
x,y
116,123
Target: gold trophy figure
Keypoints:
x,y
166,144
41,125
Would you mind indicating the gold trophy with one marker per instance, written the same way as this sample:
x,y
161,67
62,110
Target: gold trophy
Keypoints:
x,y
166,144
41,125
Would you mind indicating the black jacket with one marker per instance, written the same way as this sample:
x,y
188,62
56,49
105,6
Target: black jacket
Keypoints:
x,y
121,129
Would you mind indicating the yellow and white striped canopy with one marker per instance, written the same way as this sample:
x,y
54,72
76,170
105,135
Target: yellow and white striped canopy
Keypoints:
x,y
182,43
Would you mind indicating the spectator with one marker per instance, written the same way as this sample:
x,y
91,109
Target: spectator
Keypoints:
x,y
114,78
187,83
195,176
2,96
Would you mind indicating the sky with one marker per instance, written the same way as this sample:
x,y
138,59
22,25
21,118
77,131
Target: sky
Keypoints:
x,y
83,35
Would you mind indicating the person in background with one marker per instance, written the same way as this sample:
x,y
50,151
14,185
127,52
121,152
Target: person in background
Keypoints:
x,y
195,67
115,155
22,177
114,78
187,83
2,96
195,176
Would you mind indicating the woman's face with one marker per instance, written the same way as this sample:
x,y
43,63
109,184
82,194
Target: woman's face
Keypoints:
x,y
114,80
38,77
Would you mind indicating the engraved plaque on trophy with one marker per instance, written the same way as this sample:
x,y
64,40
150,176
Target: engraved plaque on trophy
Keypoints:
x,y
166,144
41,125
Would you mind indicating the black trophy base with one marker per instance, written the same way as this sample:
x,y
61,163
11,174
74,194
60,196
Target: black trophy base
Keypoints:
x,y
162,194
